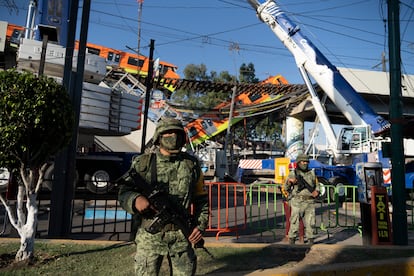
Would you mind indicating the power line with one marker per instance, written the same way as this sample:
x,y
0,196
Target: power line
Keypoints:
x,y
210,37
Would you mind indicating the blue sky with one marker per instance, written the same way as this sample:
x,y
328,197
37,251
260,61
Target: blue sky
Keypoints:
x,y
224,34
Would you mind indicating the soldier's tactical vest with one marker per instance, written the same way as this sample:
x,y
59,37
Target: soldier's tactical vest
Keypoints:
x,y
145,165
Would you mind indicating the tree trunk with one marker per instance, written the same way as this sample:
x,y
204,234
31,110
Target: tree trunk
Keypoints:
x,y
28,230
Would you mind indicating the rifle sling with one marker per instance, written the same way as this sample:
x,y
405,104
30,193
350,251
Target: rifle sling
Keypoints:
x,y
153,169
307,185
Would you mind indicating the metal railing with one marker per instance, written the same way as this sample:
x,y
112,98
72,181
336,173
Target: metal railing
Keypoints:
x,y
227,207
264,213
234,208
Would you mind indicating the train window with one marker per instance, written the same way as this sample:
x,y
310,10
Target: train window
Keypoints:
x,y
162,69
117,57
254,97
192,132
135,62
169,68
94,51
110,56
15,37
132,61
17,34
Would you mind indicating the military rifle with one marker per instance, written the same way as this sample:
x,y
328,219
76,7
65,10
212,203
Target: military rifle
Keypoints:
x,y
302,184
165,211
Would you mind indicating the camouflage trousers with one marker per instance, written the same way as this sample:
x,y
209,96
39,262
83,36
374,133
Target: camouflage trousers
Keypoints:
x,y
304,209
152,248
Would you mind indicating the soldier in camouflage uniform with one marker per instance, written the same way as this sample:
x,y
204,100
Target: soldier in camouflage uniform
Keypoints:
x,y
180,175
304,187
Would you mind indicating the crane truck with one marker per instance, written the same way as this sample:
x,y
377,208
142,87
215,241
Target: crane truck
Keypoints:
x,y
360,141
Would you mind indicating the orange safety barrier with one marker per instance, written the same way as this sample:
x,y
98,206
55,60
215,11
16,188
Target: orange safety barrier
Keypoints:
x,y
227,207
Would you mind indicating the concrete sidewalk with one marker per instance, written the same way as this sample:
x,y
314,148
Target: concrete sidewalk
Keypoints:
x,y
390,267
325,242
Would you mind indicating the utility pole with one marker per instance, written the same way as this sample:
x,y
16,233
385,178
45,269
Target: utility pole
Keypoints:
x,y
399,214
140,3
228,141
148,84
383,63
229,137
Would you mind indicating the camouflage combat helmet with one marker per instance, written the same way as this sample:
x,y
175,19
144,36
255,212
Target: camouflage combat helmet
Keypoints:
x,y
167,124
302,157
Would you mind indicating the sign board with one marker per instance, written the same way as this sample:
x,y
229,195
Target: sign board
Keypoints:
x,y
380,216
281,169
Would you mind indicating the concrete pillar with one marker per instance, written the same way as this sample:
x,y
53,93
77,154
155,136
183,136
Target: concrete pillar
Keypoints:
x,y
294,137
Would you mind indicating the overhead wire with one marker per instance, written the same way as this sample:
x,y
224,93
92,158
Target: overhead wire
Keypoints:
x,y
119,13
208,39
212,39
345,26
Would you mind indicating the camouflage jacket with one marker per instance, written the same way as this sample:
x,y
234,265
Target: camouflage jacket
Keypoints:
x,y
180,176
309,176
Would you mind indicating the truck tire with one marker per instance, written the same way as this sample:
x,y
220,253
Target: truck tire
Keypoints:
x,y
339,183
324,187
4,179
48,177
99,181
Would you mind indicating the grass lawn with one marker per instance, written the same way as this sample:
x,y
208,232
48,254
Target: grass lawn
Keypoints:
x,y
53,258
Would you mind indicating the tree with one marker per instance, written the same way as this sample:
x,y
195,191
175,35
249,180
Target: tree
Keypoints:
x,y
247,73
200,73
259,128
224,76
36,121
197,100
196,72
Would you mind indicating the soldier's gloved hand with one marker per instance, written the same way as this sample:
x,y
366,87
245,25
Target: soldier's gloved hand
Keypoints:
x,y
315,194
141,204
195,236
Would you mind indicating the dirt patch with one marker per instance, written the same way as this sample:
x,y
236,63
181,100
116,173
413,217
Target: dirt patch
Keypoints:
x,y
8,262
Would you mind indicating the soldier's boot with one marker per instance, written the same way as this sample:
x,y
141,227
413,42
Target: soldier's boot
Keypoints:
x,y
310,241
291,241
301,240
